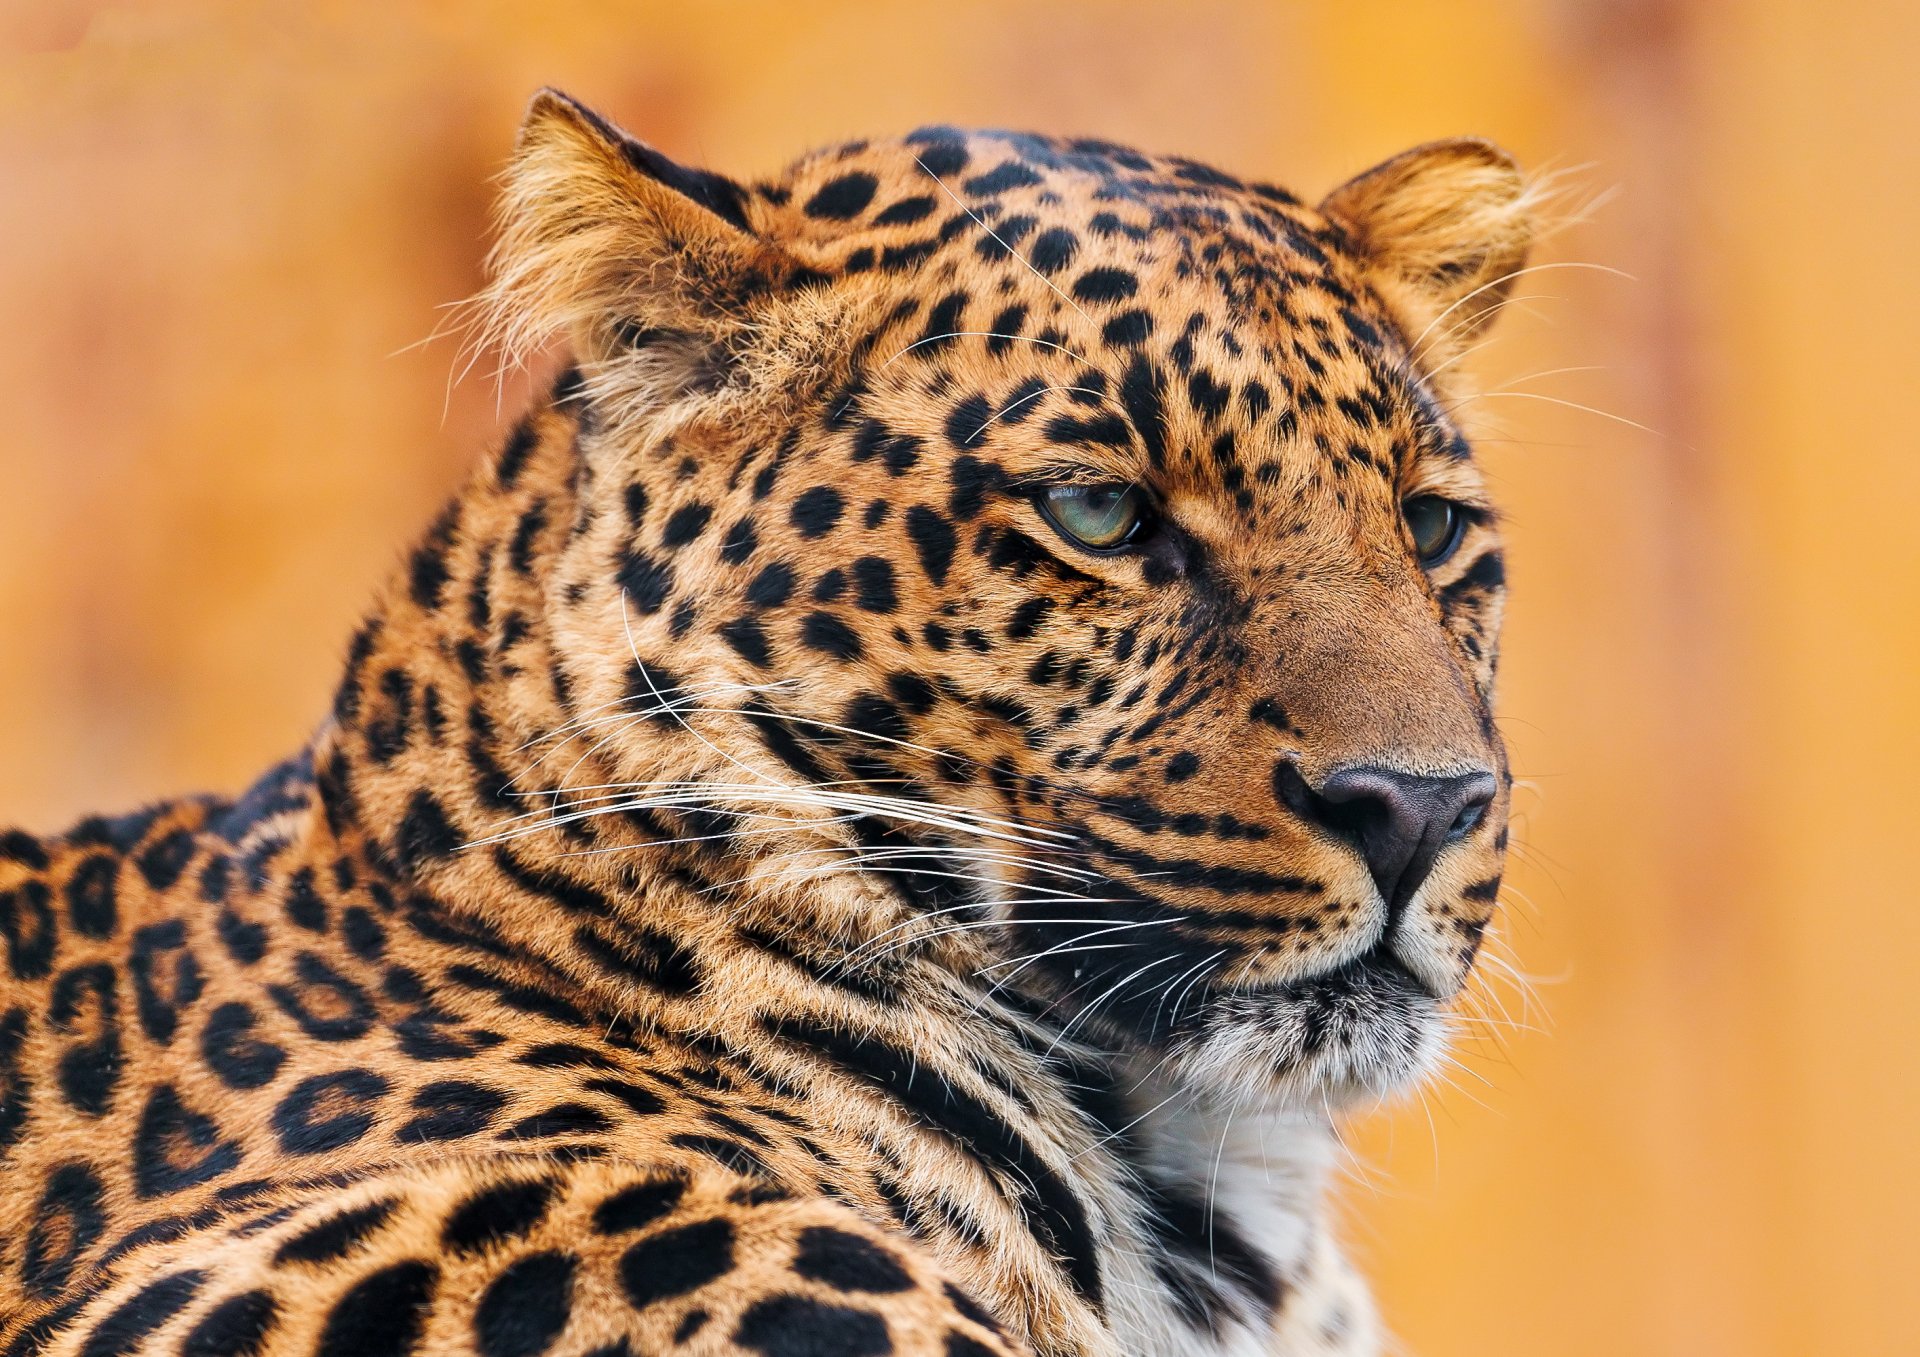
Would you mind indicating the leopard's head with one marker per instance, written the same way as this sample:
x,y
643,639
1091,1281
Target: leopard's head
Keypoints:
x,y
1087,535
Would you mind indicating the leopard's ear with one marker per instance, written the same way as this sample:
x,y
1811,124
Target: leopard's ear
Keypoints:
x,y
1445,226
610,245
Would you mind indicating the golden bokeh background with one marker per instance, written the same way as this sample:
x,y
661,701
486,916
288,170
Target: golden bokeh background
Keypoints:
x,y
224,228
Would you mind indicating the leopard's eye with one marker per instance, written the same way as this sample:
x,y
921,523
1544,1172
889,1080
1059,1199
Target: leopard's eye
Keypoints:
x,y
1098,517
1437,526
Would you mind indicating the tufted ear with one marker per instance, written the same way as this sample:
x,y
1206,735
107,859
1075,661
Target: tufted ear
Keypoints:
x,y
1449,222
608,243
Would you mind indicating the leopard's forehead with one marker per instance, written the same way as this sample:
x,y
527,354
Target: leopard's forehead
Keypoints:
x,y
1029,192
1069,285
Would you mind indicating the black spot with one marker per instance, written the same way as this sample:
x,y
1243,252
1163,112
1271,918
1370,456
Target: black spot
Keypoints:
x,y
830,586
26,918
941,150
1053,250
382,1315
513,457
337,1236
1208,396
1009,175
739,542
1182,766
906,211
943,322
365,935
772,586
969,1307
640,1101
1140,393
830,636
92,906
450,1110
848,1262
237,1327
327,1111
177,1147
748,639
873,584
162,862
898,258
636,1207
562,1119
1487,573
303,904
902,452
519,998
968,421
685,524
525,534
425,833
140,1314
1128,328
86,1001
569,895
427,574
655,959
16,845
933,539
1105,285
1106,430
798,1326
240,1059
677,1261
526,1307
1269,712
160,1004
871,714
216,877
327,1005
1028,616
817,510
496,1214
1486,890
245,942
72,1211
842,198
961,1345
16,1089
645,581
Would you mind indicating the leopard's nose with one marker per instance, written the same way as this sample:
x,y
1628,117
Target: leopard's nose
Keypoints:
x,y
1397,821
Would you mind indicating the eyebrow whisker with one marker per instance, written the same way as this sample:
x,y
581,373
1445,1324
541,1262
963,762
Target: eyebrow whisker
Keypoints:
x,y
1034,396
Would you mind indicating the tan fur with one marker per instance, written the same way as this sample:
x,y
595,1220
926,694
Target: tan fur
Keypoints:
x,y
746,801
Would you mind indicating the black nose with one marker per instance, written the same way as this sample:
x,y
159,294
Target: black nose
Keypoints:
x,y
1398,821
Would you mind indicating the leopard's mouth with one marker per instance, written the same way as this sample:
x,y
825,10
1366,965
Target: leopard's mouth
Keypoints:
x,y
1367,1027
1375,974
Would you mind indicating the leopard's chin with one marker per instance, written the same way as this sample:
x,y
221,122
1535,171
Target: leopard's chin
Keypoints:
x,y
1360,1032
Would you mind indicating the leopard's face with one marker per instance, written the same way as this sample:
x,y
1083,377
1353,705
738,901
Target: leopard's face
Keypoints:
x,y
1096,529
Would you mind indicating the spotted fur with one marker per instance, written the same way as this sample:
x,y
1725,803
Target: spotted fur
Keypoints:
x,y
763,889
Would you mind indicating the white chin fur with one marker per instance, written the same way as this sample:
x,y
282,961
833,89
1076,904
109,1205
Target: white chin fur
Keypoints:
x,y
1369,1049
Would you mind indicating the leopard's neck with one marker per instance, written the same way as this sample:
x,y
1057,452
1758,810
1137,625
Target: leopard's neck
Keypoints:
x,y
462,758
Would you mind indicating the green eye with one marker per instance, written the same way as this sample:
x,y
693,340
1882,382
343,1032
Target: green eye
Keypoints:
x,y
1098,517
1437,526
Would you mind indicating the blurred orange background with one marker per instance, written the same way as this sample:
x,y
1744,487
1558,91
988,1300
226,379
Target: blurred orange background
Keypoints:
x,y
224,230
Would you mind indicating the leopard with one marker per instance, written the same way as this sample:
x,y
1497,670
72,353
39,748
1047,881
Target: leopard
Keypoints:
x,y
897,811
